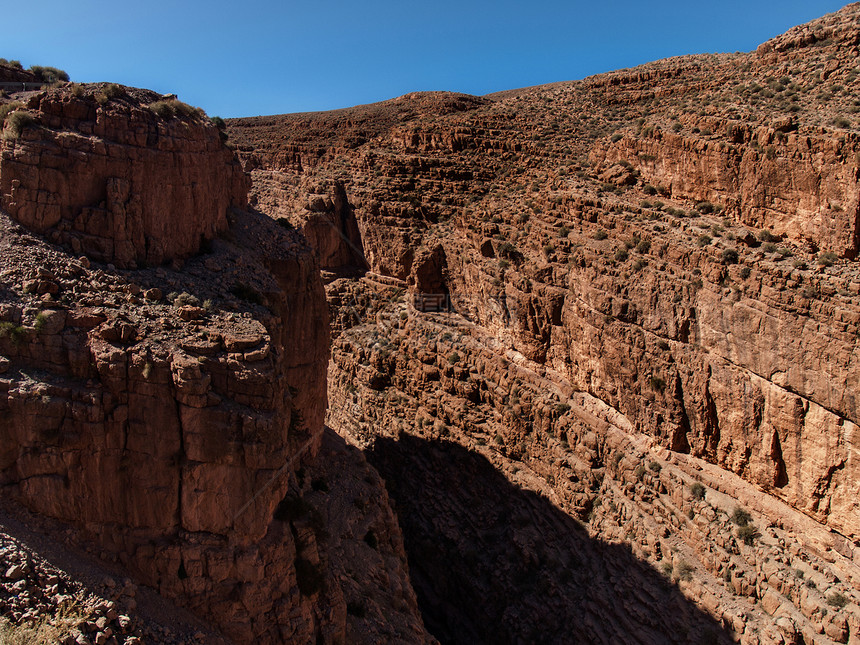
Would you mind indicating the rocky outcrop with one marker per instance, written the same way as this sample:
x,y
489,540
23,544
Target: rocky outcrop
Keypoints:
x,y
489,429
156,427
668,252
173,416
803,187
101,171
321,211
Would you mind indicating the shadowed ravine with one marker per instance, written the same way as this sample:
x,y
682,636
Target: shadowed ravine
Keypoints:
x,y
493,563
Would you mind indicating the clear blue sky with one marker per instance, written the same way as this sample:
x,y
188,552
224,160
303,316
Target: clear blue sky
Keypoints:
x,y
264,57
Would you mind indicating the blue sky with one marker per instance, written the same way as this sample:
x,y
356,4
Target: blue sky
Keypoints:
x,y
264,57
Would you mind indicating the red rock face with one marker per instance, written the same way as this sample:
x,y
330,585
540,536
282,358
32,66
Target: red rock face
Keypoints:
x,y
117,182
173,413
592,287
801,186
722,335
168,433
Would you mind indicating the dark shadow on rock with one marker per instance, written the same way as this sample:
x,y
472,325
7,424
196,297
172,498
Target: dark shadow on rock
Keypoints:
x,y
493,563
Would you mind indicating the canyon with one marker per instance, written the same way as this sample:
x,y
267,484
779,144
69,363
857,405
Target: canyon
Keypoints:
x,y
570,363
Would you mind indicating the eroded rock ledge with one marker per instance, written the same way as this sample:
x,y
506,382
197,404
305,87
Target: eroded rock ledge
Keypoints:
x,y
115,180
173,415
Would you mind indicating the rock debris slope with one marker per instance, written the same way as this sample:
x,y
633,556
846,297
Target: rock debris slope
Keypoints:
x,y
163,356
650,317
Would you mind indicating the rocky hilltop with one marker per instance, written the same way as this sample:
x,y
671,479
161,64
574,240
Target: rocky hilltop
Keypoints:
x,y
634,295
163,358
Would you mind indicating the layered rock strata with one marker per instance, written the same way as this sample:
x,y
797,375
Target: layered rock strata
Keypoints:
x,y
173,415
672,245
100,171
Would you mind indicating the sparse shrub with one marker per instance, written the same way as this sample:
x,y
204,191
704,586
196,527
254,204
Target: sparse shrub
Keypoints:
x,y
48,75
15,333
648,189
655,466
767,236
748,533
639,472
667,568
453,358
112,91
170,108
799,264
741,516
827,259
163,109
7,108
15,123
697,491
730,256
745,272
600,234
643,247
705,207
218,122
837,600
657,384
508,251
621,254
703,240
49,629
40,322
684,571
185,299
563,232
768,247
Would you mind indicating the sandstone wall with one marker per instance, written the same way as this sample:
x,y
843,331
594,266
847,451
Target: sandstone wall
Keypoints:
x,y
172,416
117,182
168,434
801,186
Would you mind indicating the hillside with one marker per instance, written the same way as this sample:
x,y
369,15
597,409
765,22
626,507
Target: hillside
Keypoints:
x,y
635,295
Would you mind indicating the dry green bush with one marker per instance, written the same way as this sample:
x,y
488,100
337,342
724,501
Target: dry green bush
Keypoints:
x,y
171,108
15,122
50,630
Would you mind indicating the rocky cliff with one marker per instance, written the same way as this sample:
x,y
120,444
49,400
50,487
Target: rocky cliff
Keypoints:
x,y
99,172
617,291
173,414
